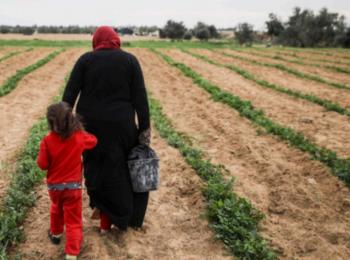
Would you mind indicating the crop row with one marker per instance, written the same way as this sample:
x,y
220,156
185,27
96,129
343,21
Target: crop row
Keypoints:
x,y
329,105
12,82
20,195
339,167
13,53
299,62
233,218
294,72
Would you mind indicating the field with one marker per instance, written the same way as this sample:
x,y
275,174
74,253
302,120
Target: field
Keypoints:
x,y
254,146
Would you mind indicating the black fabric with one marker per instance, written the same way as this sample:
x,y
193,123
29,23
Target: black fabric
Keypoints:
x,y
111,88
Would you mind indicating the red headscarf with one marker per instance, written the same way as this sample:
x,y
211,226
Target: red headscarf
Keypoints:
x,y
105,38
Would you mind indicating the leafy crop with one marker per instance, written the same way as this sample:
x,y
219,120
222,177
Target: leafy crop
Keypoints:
x,y
234,219
12,82
13,53
329,105
339,167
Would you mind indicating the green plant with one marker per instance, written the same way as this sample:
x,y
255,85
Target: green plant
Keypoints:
x,y
329,105
20,195
339,167
294,72
234,219
11,54
12,82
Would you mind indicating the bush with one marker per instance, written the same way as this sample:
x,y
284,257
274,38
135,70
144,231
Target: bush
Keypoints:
x,y
174,30
244,34
204,32
188,35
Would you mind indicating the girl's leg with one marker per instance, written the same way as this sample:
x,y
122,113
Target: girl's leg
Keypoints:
x,y
56,213
140,201
73,220
105,222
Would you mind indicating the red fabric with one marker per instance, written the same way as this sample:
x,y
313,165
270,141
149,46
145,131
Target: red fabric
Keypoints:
x,y
105,38
66,209
105,222
62,158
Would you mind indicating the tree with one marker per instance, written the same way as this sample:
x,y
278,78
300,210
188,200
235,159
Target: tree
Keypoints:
x,y
188,35
244,34
174,30
203,31
274,26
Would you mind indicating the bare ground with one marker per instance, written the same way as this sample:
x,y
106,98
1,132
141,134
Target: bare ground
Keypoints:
x,y
327,129
321,72
21,108
307,208
284,79
174,228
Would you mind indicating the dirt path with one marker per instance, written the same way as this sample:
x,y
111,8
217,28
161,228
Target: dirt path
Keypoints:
x,y
21,108
283,79
10,66
327,129
324,73
174,226
307,208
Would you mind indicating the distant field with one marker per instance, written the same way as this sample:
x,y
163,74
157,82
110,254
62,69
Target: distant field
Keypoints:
x,y
276,119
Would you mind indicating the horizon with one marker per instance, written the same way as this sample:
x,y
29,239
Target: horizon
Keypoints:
x,y
156,12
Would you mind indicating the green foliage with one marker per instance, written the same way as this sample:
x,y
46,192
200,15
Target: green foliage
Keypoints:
x,y
11,54
300,62
174,30
339,167
20,195
329,105
12,82
203,31
274,25
291,71
305,29
244,34
234,219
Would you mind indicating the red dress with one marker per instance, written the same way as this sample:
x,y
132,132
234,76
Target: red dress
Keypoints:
x,y
62,160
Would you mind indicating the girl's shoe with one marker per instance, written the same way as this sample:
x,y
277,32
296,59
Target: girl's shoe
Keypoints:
x,y
71,257
55,239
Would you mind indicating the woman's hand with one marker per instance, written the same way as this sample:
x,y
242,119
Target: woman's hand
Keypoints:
x,y
145,137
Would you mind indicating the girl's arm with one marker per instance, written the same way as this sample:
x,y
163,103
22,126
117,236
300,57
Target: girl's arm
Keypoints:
x,y
89,141
75,82
43,156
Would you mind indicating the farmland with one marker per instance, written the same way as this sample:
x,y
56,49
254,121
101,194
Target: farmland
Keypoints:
x,y
254,146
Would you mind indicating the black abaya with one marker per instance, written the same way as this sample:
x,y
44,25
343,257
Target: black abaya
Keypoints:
x,y
111,87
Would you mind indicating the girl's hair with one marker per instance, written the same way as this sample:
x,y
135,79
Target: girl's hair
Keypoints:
x,y
62,121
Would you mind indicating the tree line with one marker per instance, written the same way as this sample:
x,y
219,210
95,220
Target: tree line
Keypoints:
x,y
303,28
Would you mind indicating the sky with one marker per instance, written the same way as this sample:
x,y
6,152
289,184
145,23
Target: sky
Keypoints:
x,y
221,13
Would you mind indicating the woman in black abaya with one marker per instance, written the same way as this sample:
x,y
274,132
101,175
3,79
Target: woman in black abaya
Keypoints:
x,y
111,87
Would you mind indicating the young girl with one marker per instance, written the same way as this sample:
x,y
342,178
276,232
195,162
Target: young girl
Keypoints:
x,y
60,154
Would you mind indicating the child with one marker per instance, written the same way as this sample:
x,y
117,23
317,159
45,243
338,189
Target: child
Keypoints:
x,y
60,154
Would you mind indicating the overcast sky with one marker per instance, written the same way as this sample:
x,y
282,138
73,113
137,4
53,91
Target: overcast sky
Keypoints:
x,y
222,13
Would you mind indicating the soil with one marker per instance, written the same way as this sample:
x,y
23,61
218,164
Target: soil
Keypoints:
x,y
321,72
22,107
284,79
174,228
307,209
10,66
327,129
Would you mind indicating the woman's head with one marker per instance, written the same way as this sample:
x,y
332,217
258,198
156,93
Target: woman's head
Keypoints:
x,y
105,37
62,121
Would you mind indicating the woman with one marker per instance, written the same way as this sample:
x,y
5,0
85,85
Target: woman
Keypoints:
x,y
111,87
